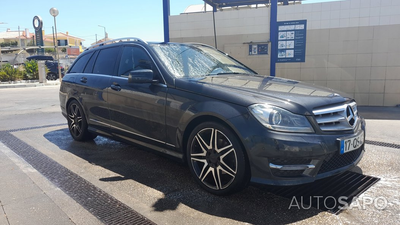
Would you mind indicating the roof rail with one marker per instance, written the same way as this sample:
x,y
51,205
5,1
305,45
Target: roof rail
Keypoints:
x,y
116,40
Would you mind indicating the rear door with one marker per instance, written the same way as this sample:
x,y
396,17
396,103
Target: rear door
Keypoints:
x,y
137,110
94,82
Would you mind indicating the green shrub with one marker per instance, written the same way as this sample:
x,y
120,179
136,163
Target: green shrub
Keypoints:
x,y
49,50
32,71
8,44
9,73
22,71
3,76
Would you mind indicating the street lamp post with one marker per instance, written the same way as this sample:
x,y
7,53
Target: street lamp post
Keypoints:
x,y
54,13
105,33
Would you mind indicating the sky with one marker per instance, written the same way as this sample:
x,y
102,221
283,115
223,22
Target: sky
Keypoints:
x,y
142,19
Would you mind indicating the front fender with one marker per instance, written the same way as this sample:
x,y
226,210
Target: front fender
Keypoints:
x,y
205,111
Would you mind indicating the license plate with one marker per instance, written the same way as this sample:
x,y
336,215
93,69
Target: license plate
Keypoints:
x,y
350,144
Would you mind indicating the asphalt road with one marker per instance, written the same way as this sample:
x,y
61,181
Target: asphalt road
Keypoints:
x,y
161,189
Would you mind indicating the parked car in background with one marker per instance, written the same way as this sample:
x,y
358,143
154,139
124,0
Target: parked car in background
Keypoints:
x,y
40,57
198,104
51,65
53,70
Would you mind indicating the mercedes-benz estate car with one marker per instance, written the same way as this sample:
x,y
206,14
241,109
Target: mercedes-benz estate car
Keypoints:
x,y
229,124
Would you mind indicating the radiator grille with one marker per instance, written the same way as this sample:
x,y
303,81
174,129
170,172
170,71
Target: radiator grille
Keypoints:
x,y
337,118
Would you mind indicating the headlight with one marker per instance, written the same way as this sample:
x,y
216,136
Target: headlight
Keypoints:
x,y
279,119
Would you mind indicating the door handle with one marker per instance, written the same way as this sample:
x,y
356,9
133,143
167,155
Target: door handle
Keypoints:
x,y
115,87
83,79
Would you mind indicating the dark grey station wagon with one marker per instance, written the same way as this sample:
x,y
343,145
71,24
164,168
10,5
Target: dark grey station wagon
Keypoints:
x,y
229,124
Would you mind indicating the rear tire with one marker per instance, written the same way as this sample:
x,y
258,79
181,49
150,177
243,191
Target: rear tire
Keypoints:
x,y
77,123
216,159
51,76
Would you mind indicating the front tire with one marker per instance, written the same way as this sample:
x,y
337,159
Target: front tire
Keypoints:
x,y
77,122
216,159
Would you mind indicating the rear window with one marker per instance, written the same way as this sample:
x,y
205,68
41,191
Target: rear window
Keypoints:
x,y
80,64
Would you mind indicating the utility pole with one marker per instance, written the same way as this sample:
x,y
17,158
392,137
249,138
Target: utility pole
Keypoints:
x,y
19,38
105,32
1,57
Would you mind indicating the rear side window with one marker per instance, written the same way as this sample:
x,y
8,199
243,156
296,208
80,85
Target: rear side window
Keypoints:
x,y
80,63
105,62
89,66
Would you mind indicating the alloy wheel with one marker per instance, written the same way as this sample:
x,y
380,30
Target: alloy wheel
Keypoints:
x,y
75,120
213,158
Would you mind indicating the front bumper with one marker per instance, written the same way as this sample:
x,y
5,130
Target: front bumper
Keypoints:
x,y
278,158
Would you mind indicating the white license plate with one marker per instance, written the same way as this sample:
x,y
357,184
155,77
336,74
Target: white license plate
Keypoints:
x,y
350,144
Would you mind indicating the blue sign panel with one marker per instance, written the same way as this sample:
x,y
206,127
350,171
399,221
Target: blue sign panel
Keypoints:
x,y
292,41
259,49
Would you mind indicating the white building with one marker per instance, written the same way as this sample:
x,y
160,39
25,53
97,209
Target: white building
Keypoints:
x,y
352,46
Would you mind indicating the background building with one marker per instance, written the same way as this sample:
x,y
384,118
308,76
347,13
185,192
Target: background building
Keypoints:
x,y
352,46
72,44
9,37
69,46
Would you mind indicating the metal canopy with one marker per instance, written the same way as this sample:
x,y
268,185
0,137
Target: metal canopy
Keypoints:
x,y
233,3
273,21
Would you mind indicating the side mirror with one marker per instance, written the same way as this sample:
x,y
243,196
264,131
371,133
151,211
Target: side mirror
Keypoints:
x,y
140,76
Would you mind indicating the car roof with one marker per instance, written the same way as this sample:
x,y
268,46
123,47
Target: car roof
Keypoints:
x,y
40,57
127,40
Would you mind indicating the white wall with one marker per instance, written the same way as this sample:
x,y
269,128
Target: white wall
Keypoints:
x,y
352,46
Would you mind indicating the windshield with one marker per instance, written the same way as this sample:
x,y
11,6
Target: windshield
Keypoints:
x,y
197,61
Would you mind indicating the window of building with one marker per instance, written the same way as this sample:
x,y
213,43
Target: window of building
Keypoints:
x,y
62,42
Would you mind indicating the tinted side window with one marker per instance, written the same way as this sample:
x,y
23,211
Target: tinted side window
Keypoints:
x,y
80,63
135,58
105,62
89,66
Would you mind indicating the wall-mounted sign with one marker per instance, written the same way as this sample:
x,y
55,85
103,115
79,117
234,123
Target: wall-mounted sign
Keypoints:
x,y
38,24
292,41
259,49
74,50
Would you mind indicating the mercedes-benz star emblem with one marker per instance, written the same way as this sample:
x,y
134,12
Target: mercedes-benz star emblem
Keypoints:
x,y
351,117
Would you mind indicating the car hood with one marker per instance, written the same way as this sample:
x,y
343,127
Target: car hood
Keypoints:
x,y
245,90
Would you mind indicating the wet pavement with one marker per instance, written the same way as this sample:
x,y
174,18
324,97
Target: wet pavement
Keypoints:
x,y
156,187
